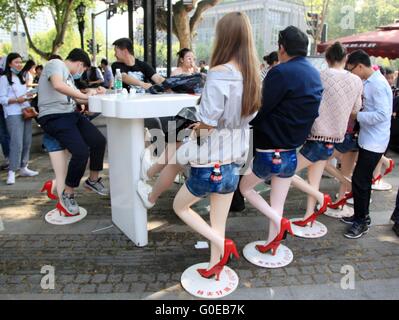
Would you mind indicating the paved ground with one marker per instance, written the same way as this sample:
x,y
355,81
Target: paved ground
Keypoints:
x,y
92,264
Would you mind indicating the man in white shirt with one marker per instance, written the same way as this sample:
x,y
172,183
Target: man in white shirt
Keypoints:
x,y
375,124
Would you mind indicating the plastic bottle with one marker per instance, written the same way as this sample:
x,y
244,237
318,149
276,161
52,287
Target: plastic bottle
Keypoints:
x,y
216,175
276,162
118,82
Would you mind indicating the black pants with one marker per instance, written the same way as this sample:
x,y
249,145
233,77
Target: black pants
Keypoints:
x,y
395,215
361,182
81,138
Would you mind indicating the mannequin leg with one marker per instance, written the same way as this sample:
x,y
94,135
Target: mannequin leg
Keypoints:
x,y
278,195
182,206
347,166
378,169
168,156
315,172
301,184
164,181
220,205
59,162
247,185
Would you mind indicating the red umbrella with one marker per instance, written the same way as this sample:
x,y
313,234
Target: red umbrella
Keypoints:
x,y
380,43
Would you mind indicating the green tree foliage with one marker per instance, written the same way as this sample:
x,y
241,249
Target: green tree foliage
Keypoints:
x,y
367,14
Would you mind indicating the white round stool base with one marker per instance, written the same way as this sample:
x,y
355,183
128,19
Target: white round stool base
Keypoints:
x,y
318,230
381,185
54,217
350,201
201,287
283,257
340,213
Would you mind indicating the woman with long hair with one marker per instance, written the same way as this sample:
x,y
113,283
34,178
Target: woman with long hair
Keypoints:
x,y
14,98
28,73
230,99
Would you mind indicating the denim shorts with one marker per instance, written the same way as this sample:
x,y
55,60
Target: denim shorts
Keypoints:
x,y
50,144
316,150
263,167
200,185
348,145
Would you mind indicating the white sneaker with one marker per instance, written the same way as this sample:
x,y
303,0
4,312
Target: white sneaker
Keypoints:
x,y
146,163
11,177
144,190
25,172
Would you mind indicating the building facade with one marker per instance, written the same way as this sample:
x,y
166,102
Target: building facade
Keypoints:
x,y
42,23
267,17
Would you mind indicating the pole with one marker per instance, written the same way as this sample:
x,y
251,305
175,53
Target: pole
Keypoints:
x,y
93,36
106,37
169,38
153,34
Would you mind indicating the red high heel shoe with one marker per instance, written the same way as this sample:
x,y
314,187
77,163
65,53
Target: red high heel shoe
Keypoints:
x,y
375,180
229,250
390,168
342,202
48,187
214,271
273,246
64,211
313,217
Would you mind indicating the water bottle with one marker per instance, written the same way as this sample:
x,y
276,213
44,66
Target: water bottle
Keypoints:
x,y
216,175
276,162
330,148
118,82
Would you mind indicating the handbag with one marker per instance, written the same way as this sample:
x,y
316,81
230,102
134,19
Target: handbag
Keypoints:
x,y
27,112
192,84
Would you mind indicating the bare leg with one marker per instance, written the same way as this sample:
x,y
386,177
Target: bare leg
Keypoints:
x,y
278,195
378,169
301,184
59,162
220,205
182,206
168,156
315,172
247,185
164,181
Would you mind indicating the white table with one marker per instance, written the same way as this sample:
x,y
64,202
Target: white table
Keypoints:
x,y
125,136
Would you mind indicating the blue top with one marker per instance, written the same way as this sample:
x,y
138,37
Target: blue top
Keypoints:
x,y
292,93
375,117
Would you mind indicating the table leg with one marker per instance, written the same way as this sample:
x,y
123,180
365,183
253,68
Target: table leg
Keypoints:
x,y
125,145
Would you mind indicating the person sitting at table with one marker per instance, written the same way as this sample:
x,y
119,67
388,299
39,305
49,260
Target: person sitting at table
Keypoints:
x,y
57,103
186,64
137,75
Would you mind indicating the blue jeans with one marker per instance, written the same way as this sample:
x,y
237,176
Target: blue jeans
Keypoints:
x,y
51,144
263,167
348,145
200,184
20,141
317,151
4,135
